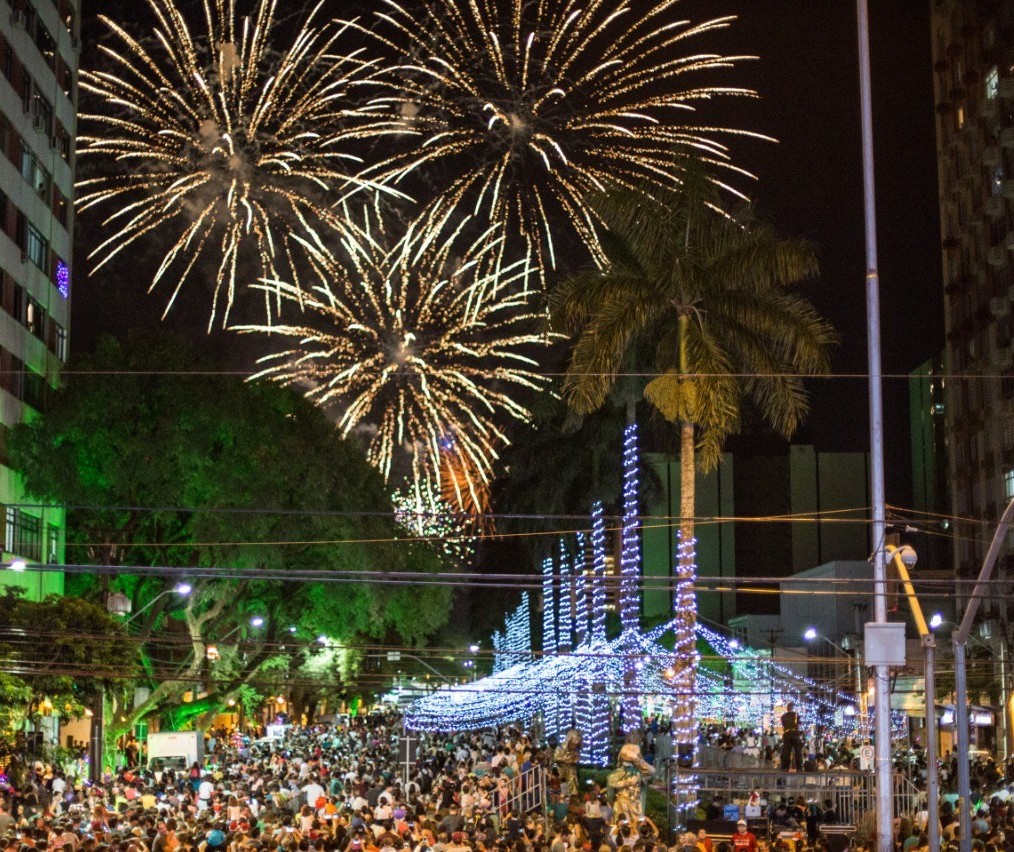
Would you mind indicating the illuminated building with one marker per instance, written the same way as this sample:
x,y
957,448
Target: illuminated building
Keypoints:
x,y
38,122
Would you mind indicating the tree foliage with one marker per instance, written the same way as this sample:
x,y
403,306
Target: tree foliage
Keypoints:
x,y
162,462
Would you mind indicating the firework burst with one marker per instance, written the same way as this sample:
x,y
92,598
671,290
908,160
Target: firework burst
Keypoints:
x,y
419,346
213,138
528,106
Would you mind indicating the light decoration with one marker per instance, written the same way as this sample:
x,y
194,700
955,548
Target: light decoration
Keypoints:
x,y
581,591
499,662
418,344
520,692
566,634
598,584
548,608
518,633
630,566
549,639
428,517
63,278
219,143
685,646
522,109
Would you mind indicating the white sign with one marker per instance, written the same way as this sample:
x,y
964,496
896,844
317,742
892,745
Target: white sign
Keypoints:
x,y
866,758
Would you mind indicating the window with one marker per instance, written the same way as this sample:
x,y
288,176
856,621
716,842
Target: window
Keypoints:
x,y
22,534
36,247
35,318
42,112
33,172
32,389
1008,483
992,82
53,540
59,345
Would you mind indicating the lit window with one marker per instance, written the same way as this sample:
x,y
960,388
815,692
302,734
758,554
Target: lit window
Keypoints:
x,y
1008,483
993,83
36,247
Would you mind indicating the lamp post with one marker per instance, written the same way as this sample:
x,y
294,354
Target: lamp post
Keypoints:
x,y
812,634
181,589
904,557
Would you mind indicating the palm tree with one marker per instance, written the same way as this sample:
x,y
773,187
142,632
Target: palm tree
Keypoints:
x,y
705,295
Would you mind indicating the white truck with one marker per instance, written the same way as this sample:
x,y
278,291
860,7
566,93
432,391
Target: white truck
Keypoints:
x,y
176,750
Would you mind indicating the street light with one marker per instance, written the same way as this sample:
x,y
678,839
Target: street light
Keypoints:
x,y
811,633
181,589
18,565
904,557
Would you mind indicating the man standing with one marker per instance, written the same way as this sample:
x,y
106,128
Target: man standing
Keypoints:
x,y
792,740
744,838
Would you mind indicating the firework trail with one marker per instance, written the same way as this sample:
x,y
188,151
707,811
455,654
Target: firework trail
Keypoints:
x,y
520,109
214,140
421,344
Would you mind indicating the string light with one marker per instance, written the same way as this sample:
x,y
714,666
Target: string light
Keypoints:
x,y
598,539
630,564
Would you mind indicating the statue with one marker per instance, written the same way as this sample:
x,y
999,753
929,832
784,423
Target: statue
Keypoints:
x,y
567,756
627,784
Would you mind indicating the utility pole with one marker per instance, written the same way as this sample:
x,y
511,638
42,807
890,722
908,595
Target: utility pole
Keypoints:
x,y
882,703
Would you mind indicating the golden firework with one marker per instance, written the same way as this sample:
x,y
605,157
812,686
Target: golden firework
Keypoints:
x,y
211,137
520,109
422,345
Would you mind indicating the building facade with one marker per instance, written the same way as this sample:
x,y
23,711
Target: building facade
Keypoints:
x,y
768,510
39,45
973,54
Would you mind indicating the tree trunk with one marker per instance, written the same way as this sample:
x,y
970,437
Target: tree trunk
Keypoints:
x,y
685,603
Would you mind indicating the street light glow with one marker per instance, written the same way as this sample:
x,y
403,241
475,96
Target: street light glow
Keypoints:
x,y
183,589
936,620
473,648
18,565
256,621
810,634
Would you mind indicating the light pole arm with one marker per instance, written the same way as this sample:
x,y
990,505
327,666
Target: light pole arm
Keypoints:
x,y
929,655
906,582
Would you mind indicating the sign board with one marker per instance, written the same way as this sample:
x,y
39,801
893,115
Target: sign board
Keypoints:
x,y
866,758
884,643
408,750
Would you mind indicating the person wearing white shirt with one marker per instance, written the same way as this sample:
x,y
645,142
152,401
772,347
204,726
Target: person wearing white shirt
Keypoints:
x,y
313,791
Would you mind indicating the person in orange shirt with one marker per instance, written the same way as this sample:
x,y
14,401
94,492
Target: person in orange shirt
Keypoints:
x,y
704,842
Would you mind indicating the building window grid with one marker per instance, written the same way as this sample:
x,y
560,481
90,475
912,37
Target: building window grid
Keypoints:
x,y
22,534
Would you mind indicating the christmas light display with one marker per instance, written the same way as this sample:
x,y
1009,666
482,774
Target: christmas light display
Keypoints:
x,y
499,658
548,608
598,584
630,566
566,635
581,591
685,648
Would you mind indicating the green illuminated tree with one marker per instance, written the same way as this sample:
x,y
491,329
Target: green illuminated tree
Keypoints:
x,y
161,462
702,298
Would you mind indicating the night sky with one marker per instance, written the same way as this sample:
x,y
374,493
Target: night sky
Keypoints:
x,y
809,184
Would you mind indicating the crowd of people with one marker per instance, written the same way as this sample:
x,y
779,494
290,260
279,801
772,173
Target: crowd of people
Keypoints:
x,y
341,788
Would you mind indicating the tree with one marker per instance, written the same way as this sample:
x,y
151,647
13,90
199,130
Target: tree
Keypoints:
x,y
704,295
164,463
59,655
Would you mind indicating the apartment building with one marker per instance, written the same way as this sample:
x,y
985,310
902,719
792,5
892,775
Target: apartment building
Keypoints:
x,y
39,42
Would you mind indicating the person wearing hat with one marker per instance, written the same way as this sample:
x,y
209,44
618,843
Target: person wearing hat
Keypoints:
x,y
744,838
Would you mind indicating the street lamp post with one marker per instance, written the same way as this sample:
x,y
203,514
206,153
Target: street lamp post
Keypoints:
x,y
904,558
811,634
181,589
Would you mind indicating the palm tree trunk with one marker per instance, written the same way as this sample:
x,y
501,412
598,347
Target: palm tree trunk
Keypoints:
x,y
685,603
